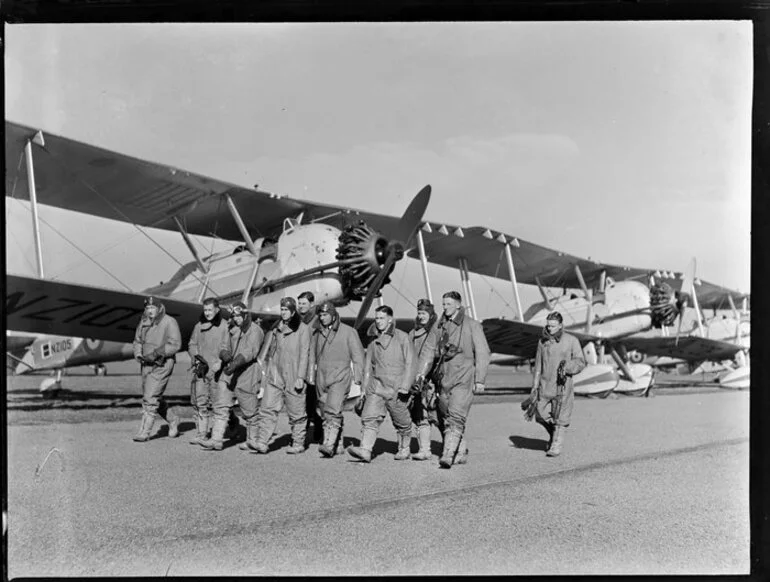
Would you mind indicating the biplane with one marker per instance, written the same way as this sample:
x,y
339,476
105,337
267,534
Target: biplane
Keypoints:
x,y
343,255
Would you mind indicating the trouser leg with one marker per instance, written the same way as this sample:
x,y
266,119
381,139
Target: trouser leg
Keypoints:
x,y
331,401
200,399
249,405
296,407
267,416
221,403
402,421
372,416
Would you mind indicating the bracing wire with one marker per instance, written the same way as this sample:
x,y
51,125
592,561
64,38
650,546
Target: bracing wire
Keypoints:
x,y
121,213
82,251
24,253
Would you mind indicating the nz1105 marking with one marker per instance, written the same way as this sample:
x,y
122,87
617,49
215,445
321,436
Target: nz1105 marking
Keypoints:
x,y
15,304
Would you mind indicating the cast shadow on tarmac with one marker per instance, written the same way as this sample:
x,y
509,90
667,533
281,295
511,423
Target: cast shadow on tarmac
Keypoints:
x,y
521,442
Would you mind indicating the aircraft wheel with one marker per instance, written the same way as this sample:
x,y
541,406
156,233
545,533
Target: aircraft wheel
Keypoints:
x,y
50,388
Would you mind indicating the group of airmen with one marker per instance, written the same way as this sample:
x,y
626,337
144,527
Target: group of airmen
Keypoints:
x,y
310,362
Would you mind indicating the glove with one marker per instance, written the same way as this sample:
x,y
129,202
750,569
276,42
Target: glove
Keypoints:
x,y
299,386
359,407
403,396
235,364
561,375
478,388
529,406
200,367
225,356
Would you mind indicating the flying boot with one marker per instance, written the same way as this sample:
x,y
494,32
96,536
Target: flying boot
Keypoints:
x,y
217,440
340,446
558,437
251,437
423,437
451,442
462,452
172,418
201,429
263,434
404,440
298,435
329,446
148,419
364,450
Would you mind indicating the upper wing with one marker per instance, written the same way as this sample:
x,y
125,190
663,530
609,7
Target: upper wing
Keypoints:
x,y
691,347
484,251
84,178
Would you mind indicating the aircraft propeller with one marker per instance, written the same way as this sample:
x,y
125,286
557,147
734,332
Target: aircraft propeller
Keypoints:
x,y
375,251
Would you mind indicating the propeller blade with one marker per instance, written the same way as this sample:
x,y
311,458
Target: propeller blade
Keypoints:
x,y
374,288
412,217
405,231
681,319
688,279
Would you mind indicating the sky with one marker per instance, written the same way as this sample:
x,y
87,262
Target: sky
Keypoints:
x,y
626,142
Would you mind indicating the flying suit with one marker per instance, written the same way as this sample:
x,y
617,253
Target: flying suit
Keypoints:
x,y
157,340
424,340
208,339
239,376
311,400
336,359
284,358
552,412
457,374
388,376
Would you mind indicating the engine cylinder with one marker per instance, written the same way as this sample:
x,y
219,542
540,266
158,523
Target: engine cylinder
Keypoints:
x,y
364,251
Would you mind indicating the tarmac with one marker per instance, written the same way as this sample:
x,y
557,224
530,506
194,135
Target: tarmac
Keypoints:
x,y
644,486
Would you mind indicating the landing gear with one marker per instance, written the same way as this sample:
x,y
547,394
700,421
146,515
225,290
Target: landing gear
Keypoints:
x,y
100,370
50,387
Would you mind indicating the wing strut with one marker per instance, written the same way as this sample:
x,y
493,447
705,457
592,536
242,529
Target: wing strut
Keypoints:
x,y
579,275
621,364
190,246
512,273
424,262
37,139
252,276
241,226
737,319
467,285
543,293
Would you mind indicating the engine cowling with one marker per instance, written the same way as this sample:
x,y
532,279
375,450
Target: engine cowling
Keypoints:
x,y
663,305
364,252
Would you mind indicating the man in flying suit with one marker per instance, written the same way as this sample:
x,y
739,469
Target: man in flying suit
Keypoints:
x,y
424,338
239,374
284,357
307,311
209,337
463,358
559,357
156,342
388,377
335,348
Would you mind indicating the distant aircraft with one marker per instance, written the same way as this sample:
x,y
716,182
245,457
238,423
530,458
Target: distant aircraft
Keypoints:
x,y
610,319
289,246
